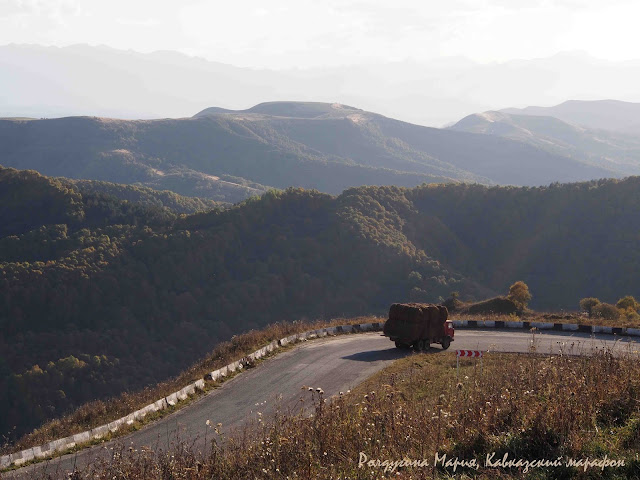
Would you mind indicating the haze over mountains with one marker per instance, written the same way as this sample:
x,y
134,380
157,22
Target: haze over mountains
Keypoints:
x,y
615,115
225,154
610,149
39,81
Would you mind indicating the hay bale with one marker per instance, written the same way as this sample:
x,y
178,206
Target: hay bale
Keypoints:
x,y
431,325
415,314
418,313
412,321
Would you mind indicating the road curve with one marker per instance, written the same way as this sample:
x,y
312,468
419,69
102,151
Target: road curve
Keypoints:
x,y
334,364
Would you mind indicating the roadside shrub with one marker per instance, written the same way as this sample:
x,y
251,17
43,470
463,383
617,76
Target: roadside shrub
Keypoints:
x,y
628,303
630,315
606,311
587,304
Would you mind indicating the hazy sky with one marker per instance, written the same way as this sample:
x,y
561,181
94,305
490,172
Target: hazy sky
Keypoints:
x,y
305,33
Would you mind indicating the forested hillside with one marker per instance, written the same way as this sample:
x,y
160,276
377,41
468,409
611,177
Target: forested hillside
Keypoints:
x,y
147,196
98,295
103,295
565,241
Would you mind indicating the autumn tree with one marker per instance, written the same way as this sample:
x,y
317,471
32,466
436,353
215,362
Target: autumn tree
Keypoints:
x,y
606,311
588,303
519,294
628,303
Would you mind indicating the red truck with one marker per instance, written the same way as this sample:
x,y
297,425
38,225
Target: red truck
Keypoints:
x,y
418,325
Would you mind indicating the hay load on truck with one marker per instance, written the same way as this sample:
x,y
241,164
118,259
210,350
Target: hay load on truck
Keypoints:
x,y
418,325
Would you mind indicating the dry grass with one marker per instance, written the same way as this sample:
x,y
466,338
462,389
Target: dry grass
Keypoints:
x,y
529,406
100,412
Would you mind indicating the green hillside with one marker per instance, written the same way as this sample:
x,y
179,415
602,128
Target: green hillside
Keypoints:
x,y
100,295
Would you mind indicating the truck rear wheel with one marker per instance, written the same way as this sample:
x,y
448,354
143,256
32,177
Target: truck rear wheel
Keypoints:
x,y
421,346
446,343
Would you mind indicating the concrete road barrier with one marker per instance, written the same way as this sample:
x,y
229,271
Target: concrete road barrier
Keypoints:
x,y
541,325
569,327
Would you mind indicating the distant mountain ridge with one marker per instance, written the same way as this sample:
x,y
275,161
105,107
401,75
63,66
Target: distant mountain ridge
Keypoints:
x,y
230,155
289,109
615,115
465,152
46,81
610,149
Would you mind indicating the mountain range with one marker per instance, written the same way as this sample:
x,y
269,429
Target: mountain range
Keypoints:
x,y
575,135
227,155
614,115
39,81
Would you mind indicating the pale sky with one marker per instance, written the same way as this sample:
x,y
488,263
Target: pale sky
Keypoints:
x,y
308,33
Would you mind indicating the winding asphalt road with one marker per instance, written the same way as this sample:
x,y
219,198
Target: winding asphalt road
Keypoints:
x,y
334,364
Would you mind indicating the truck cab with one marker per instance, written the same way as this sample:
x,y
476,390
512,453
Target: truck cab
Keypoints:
x,y
449,331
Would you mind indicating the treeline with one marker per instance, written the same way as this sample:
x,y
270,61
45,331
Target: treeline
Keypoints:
x,y
151,291
626,308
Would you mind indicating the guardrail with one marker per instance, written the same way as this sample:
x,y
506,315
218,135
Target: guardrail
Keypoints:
x,y
562,327
61,445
